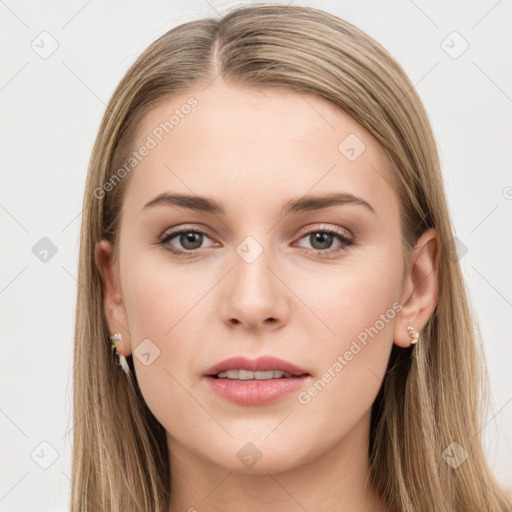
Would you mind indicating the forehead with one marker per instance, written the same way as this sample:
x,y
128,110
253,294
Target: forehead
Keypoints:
x,y
235,143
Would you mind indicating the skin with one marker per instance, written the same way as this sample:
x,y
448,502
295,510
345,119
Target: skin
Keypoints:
x,y
252,151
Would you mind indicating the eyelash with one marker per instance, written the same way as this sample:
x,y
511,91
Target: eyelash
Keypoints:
x,y
346,242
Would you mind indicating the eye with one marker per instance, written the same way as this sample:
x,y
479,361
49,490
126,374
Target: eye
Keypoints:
x,y
322,239
190,240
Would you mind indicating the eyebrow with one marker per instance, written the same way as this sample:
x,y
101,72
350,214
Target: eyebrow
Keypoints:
x,y
302,204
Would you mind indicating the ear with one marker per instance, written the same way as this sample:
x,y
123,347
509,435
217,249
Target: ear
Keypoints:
x,y
112,296
420,289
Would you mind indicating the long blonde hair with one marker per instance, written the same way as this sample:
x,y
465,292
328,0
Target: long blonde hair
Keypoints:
x,y
431,397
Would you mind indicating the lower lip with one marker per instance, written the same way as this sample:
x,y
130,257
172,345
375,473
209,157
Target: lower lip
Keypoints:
x,y
255,392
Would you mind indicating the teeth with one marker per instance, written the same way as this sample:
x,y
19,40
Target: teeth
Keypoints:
x,y
248,375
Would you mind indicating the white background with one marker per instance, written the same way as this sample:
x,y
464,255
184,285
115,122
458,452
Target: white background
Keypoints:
x,y
51,110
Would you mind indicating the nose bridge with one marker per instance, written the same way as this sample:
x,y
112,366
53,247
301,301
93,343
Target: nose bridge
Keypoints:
x,y
254,293
252,279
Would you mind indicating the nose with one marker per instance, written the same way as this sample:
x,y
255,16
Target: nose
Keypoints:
x,y
254,296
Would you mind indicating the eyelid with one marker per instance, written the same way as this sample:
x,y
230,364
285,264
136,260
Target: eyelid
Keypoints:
x,y
330,228
184,227
307,230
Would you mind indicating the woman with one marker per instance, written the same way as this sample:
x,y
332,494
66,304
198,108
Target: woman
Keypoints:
x,y
268,257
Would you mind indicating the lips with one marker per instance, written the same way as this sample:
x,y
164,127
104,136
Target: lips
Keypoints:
x,y
255,392
263,363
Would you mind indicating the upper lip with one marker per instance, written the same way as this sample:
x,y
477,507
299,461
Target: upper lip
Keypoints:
x,y
263,363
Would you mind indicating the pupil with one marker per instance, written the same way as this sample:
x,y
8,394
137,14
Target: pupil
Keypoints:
x,y
191,238
324,239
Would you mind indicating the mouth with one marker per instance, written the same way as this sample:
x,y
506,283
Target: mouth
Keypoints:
x,y
255,382
249,375
263,368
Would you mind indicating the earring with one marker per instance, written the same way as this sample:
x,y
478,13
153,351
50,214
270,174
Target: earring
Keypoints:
x,y
413,334
121,360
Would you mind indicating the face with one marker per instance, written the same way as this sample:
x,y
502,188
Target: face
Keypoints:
x,y
271,271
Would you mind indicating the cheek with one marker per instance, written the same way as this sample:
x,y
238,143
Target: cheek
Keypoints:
x,y
159,296
360,309
165,315
350,366
359,294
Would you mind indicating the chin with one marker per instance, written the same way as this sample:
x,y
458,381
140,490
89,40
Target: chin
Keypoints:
x,y
259,458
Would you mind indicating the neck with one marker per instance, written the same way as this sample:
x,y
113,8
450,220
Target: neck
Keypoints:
x,y
335,480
